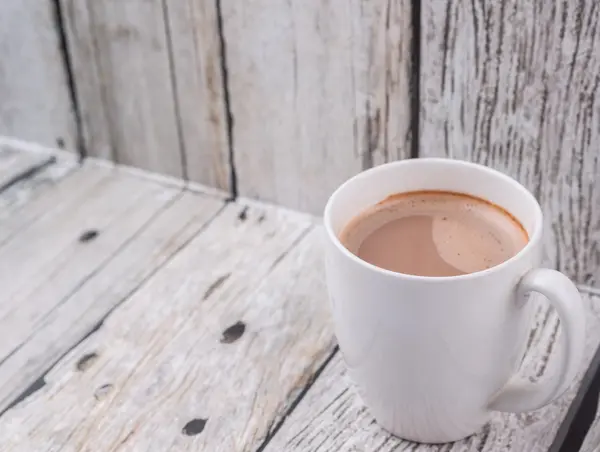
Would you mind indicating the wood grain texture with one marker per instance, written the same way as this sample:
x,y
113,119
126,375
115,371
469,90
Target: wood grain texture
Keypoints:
x,y
514,85
319,91
331,418
196,55
159,374
47,259
15,165
26,189
33,84
83,309
37,203
120,55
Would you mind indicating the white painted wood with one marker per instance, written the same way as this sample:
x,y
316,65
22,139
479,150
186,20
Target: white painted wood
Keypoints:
x,y
196,54
14,164
52,201
514,85
44,262
331,418
120,56
35,102
80,311
160,361
27,189
36,148
319,91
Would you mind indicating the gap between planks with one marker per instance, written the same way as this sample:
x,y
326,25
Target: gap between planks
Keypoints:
x,y
40,209
281,285
294,397
39,382
274,429
331,362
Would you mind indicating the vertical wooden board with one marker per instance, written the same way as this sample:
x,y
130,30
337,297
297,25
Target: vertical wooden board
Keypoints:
x,y
318,92
82,310
514,85
91,90
122,69
48,259
196,54
173,369
331,417
36,104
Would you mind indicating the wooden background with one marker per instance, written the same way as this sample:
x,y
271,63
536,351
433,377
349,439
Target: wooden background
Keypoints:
x,y
283,100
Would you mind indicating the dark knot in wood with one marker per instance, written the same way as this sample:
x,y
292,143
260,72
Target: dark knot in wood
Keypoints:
x,y
194,427
86,361
88,235
233,333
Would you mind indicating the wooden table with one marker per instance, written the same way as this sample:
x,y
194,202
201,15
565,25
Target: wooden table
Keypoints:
x,y
139,314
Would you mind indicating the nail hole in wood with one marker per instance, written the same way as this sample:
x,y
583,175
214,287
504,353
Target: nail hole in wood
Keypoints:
x,y
243,214
233,333
103,391
194,427
86,361
60,142
88,235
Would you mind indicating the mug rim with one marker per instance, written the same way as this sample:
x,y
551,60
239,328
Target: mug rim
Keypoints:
x,y
534,238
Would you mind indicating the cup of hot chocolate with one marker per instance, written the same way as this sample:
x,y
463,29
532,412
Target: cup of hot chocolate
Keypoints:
x,y
430,266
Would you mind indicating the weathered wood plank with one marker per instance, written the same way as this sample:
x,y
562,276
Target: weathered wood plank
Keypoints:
x,y
71,189
514,85
120,54
49,258
83,309
36,198
26,189
196,53
15,164
319,91
172,368
332,418
36,105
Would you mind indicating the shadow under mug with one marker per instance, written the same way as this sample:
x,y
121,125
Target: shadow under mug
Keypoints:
x,y
433,356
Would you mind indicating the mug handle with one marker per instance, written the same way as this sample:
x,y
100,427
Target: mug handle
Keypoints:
x,y
518,395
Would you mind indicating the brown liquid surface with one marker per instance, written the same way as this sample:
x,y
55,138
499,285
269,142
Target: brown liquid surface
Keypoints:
x,y
433,233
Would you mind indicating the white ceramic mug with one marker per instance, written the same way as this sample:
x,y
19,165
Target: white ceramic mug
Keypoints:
x,y
433,356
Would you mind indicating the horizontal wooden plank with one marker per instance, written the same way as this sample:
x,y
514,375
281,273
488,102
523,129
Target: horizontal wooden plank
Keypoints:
x,y
36,103
48,258
207,355
331,418
38,196
15,164
318,90
80,311
514,85
26,189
